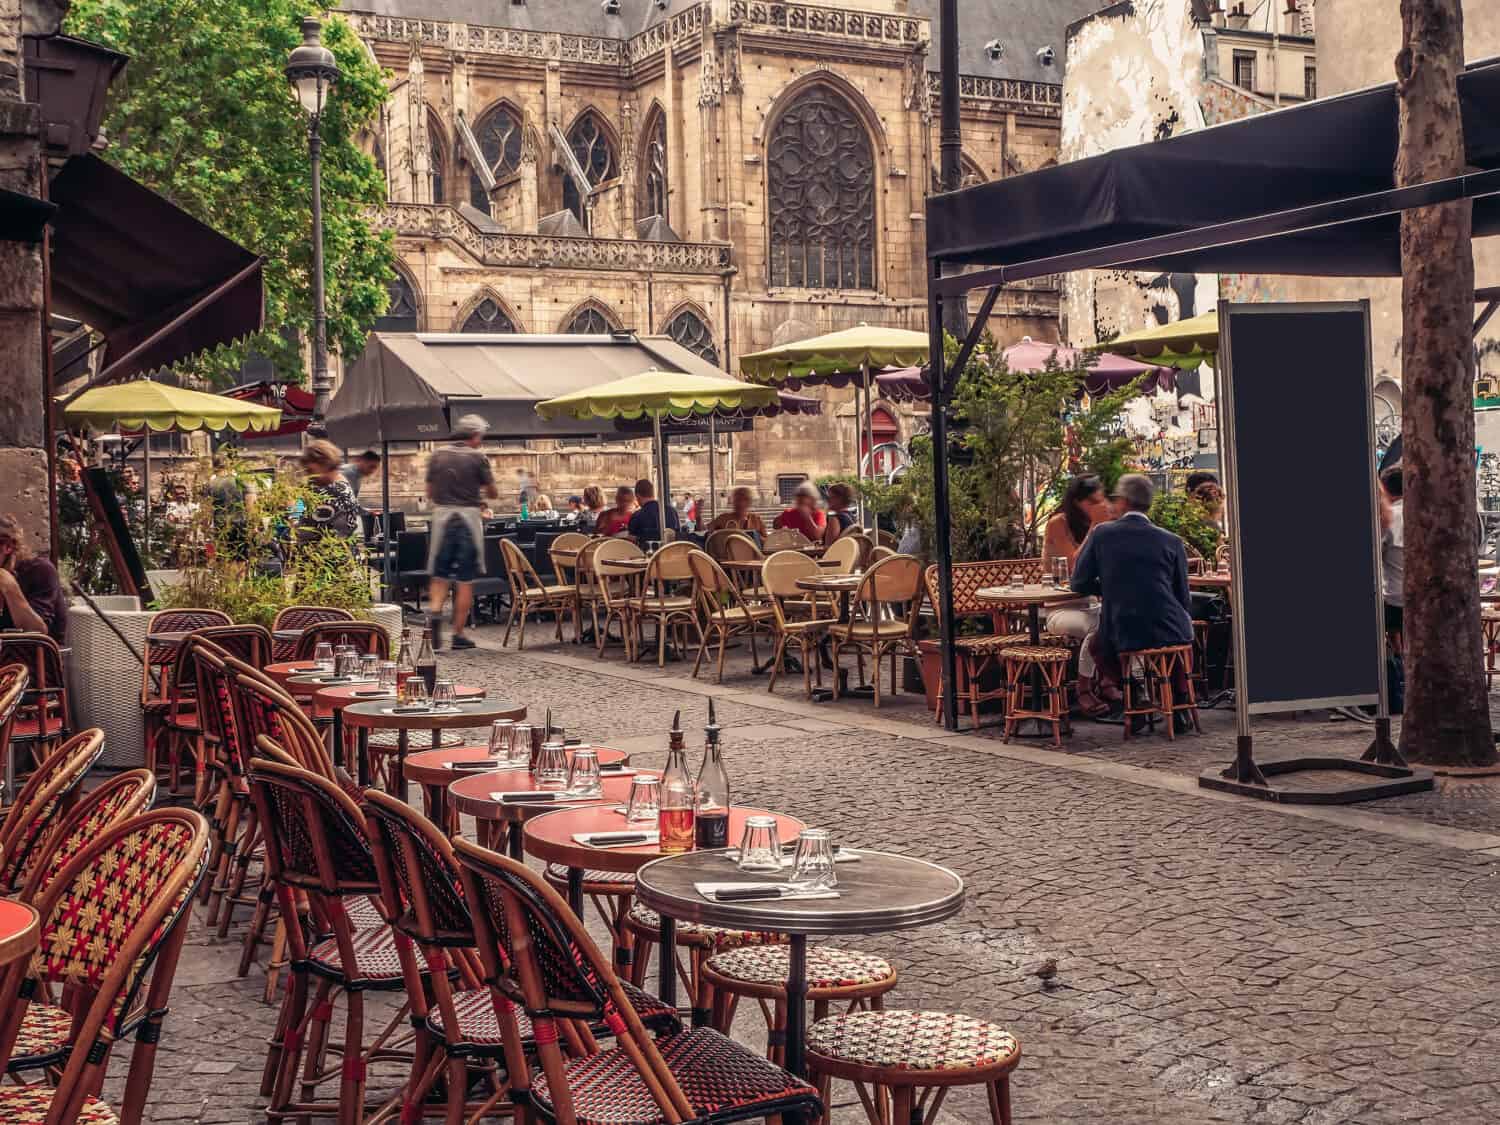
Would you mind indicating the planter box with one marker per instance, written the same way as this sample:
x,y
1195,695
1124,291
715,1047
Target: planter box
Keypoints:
x,y
104,679
388,617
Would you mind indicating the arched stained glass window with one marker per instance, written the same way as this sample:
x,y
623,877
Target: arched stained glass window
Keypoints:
x,y
689,330
821,172
595,154
654,169
589,321
499,137
403,312
438,158
488,316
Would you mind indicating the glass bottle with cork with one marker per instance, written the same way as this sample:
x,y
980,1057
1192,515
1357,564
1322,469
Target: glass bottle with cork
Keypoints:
x,y
426,662
675,819
711,804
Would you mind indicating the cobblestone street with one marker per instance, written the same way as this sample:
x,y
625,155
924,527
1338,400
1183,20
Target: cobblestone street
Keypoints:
x,y
1218,960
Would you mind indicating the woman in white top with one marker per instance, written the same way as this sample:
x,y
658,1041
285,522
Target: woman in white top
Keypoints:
x,y
1084,504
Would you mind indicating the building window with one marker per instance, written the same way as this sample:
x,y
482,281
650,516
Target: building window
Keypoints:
x,y
689,330
401,313
786,487
488,316
1244,70
596,156
654,177
1310,82
822,195
499,137
588,321
437,158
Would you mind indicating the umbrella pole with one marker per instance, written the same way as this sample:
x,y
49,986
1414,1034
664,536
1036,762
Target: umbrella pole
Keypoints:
x,y
146,489
864,511
385,521
661,475
713,452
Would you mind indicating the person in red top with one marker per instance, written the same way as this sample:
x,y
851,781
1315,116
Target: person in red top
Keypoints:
x,y
617,519
803,515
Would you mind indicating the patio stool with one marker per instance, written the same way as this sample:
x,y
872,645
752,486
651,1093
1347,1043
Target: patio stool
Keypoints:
x,y
976,655
611,893
1157,668
1018,663
1489,621
834,976
1200,656
643,929
910,1059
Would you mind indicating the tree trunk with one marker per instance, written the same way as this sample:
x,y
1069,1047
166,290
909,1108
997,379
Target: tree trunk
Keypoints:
x,y
1447,719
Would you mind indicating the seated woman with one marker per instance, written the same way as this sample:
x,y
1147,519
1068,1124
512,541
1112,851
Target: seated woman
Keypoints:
x,y
1084,504
739,517
841,515
336,510
542,503
617,519
803,515
591,509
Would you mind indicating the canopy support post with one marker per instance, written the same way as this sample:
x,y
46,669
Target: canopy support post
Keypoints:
x,y
385,521
713,454
976,330
661,475
867,513
146,487
942,514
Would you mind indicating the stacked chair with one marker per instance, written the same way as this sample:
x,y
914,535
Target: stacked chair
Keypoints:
x,y
50,793
301,617
44,717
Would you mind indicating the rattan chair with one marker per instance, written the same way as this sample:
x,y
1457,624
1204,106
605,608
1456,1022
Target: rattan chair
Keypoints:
x,y
586,586
114,956
725,613
50,793
668,611
795,615
13,681
846,555
364,637
741,548
881,618
156,672
529,594
121,797
617,585
301,617
1159,667
44,718
786,539
185,720
566,572
538,957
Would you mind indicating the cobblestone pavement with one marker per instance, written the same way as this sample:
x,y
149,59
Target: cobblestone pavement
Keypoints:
x,y
1217,960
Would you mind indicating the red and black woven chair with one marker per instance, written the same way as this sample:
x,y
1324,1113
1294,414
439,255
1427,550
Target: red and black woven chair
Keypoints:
x,y
110,940
300,617
13,681
317,844
49,794
363,636
539,961
183,723
45,716
160,657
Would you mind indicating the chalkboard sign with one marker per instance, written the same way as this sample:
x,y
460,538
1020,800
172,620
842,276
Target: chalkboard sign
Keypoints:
x,y
115,532
1297,435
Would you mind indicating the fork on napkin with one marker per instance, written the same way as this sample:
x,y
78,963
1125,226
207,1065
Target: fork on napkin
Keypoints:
x,y
750,892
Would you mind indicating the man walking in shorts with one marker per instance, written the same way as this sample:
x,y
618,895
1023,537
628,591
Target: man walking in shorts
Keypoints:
x,y
458,479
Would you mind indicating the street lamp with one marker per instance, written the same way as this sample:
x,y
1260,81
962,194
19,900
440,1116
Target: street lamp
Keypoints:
x,y
313,72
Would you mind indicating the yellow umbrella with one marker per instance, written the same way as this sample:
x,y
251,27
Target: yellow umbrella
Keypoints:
x,y
658,393
144,404
1184,344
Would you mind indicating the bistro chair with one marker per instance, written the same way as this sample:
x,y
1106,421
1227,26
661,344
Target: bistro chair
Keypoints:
x,y
611,893
741,548
980,655
160,659
529,594
45,715
725,613
699,942
666,610
121,797
13,681
846,554
564,552
586,586
538,957
795,616
300,617
786,539
617,585
1489,622
40,807
880,622
1159,667
880,552
113,956
184,719
365,637
903,1062
717,543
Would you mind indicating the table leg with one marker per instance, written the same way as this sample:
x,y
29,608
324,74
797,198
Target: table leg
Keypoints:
x,y
362,751
398,777
796,1005
575,891
666,962
337,749
514,842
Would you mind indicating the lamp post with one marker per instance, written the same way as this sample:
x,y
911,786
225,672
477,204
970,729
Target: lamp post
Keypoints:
x,y
312,71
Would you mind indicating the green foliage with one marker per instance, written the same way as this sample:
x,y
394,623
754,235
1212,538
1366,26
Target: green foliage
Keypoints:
x,y
204,115
1181,514
1027,433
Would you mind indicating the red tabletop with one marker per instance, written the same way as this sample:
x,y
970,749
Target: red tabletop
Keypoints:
x,y
280,673
18,930
550,837
471,793
433,767
329,699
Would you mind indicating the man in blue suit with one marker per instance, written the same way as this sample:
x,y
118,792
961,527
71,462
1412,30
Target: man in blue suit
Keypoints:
x,y
1140,572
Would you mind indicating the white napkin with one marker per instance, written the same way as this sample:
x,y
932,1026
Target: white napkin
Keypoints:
x,y
843,855
711,891
587,838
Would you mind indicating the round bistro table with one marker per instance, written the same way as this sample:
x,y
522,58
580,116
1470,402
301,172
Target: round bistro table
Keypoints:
x,y
19,930
381,714
436,770
498,822
1033,596
878,893
281,672
843,587
328,702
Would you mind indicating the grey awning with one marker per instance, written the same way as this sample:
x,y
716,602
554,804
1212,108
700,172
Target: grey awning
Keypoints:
x,y
411,386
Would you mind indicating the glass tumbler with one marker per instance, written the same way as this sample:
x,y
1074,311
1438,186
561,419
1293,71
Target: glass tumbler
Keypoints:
x,y
645,799
369,666
323,658
812,867
387,676
760,848
552,766
583,774
520,745
443,695
416,692
502,734
1060,571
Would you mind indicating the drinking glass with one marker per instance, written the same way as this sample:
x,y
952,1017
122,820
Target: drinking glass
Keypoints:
x,y
520,744
552,766
416,692
760,849
323,657
443,695
583,774
346,663
387,677
645,798
1060,571
502,735
1016,580
812,867
369,666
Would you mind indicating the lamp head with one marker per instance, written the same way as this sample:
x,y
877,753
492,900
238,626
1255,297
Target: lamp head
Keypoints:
x,y
311,69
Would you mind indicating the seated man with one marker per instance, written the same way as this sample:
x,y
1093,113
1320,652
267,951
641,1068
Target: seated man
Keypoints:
x,y
645,524
740,517
1140,572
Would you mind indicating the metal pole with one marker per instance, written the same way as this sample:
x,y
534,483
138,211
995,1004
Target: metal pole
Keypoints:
x,y
146,488
322,385
385,521
713,453
867,514
942,516
950,139
661,475
859,456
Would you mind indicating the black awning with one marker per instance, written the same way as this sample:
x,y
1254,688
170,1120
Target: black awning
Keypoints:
x,y
23,217
159,284
1313,156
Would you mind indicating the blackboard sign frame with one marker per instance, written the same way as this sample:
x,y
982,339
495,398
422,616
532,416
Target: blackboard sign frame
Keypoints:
x,y
1359,410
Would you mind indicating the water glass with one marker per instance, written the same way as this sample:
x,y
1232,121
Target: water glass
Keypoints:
x,y
1017,581
812,867
552,766
443,695
416,692
502,737
346,664
520,744
1060,572
645,799
760,847
583,774
369,666
323,658
386,680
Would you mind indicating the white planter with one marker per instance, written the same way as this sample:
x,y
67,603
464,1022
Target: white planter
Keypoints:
x,y
388,617
104,678
163,580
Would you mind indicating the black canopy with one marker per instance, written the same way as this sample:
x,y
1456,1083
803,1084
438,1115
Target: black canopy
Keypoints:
x,y
1302,187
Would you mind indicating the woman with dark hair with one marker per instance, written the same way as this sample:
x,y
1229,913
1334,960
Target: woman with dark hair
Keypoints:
x,y
1084,504
337,511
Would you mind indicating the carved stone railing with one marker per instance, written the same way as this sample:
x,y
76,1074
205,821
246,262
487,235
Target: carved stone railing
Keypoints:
x,y
544,46
425,220
1043,99
828,22
686,24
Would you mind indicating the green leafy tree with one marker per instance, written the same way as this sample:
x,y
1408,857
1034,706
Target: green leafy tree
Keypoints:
x,y
204,115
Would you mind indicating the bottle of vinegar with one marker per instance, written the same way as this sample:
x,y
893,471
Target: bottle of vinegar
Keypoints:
x,y
427,661
675,818
711,809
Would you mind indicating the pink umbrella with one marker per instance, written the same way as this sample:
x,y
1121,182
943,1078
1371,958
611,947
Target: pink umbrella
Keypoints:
x,y
1110,374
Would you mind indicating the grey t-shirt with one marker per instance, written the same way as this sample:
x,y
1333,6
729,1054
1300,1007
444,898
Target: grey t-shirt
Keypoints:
x,y
457,475
350,472
1393,557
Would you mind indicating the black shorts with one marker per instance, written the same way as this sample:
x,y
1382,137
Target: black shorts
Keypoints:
x,y
458,557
